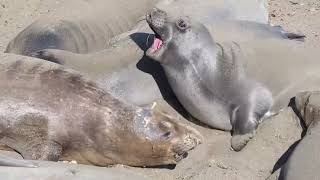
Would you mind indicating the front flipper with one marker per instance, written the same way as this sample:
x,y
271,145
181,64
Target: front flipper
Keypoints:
x,y
243,127
30,137
246,117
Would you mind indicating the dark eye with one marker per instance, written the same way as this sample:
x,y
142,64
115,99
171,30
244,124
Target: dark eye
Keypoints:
x,y
166,135
183,23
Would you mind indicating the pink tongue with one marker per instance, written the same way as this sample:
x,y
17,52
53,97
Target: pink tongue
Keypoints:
x,y
156,44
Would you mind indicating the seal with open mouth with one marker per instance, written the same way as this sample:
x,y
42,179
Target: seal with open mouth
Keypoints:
x,y
207,78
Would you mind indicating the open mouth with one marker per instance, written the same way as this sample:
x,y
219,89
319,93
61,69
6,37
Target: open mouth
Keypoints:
x,y
178,157
157,43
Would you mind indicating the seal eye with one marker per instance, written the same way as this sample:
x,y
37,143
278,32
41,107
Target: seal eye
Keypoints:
x,y
183,24
166,135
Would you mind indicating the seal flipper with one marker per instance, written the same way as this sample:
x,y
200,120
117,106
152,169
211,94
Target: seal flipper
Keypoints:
x,y
6,161
243,126
290,35
245,118
30,137
294,36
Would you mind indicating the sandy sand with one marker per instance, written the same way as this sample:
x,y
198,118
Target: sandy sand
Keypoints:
x,y
213,159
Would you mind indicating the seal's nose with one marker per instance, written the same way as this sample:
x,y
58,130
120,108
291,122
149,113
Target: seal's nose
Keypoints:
x,y
155,15
187,143
158,12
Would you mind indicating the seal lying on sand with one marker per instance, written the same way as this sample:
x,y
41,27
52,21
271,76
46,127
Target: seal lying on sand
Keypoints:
x,y
214,81
207,83
80,26
304,162
12,162
51,113
58,171
124,70
86,26
107,66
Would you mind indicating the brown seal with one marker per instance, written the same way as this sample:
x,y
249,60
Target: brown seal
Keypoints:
x,y
52,113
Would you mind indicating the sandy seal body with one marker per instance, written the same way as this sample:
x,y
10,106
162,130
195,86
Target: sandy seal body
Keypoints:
x,y
304,161
51,113
80,26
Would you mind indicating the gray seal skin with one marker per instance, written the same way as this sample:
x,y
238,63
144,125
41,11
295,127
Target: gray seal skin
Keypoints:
x,y
80,26
12,162
52,113
66,171
123,69
304,162
208,79
249,10
246,71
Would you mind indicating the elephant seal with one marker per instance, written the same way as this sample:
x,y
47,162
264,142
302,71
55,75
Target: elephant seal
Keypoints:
x,y
304,162
80,26
52,113
123,69
261,66
12,162
208,79
58,171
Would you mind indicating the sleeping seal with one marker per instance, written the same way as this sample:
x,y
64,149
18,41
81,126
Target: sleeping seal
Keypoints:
x,y
51,113
80,26
236,83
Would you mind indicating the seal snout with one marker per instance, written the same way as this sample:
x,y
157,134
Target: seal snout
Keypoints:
x,y
187,143
156,18
157,22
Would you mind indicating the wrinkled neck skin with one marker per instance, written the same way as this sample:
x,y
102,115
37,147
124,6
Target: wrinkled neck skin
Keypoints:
x,y
202,65
203,80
